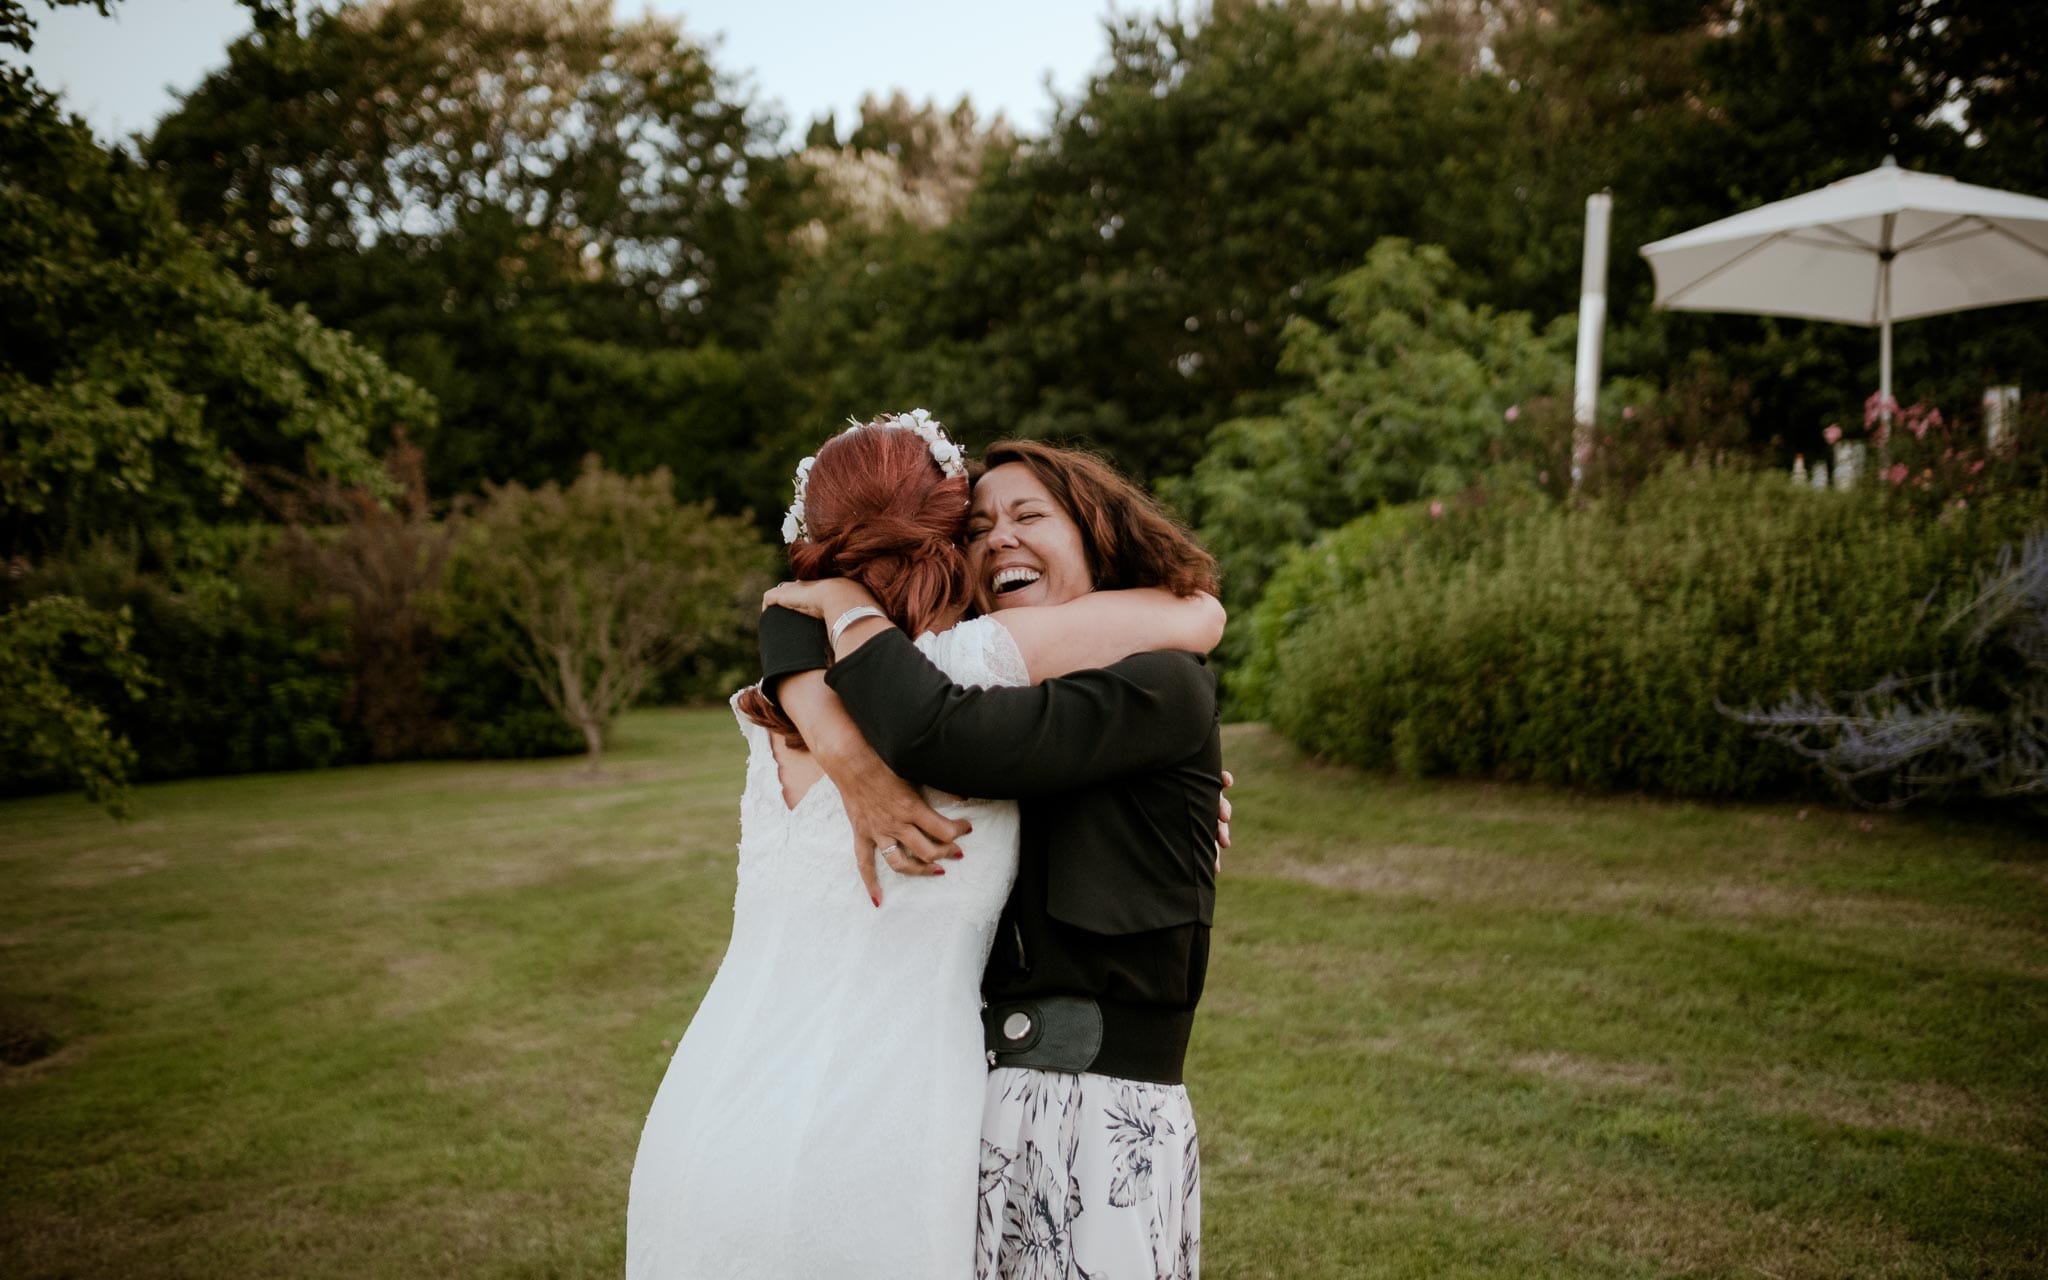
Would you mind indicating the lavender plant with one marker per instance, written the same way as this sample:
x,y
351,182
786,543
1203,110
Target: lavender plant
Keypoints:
x,y
1980,727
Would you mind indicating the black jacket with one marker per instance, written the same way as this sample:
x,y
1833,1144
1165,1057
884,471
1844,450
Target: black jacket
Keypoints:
x,y
1117,771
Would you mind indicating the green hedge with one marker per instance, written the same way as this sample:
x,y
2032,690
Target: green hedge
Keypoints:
x,y
1593,647
250,668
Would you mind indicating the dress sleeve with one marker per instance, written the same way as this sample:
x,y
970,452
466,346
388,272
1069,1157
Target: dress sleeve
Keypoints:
x,y
791,643
1145,712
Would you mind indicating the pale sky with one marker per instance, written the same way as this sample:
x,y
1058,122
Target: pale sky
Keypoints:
x,y
810,56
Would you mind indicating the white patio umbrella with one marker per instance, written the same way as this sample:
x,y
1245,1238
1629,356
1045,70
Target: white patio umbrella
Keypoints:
x,y
1886,245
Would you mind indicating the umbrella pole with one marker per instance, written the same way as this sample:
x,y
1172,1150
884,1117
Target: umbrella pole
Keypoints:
x,y
1884,337
1884,350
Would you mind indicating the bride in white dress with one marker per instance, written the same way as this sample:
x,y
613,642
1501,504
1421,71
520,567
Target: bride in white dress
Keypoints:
x,y
821,1116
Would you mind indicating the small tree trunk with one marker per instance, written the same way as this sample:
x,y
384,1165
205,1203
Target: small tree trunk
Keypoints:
x,y
593,739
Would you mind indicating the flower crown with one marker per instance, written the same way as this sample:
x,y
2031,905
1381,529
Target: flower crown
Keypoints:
x,y
951,462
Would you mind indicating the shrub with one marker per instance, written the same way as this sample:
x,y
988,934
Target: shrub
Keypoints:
x,y
595,589
377,562
49,732
1591,646
1410,392
287,648
1936,463
1980,728
245,675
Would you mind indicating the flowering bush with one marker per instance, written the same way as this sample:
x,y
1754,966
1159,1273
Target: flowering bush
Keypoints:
x,y
1941,465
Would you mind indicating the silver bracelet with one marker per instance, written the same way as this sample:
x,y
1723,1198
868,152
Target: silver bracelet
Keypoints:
x,y
852,616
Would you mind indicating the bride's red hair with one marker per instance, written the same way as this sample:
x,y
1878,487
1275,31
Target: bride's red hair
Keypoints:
x,y
878,510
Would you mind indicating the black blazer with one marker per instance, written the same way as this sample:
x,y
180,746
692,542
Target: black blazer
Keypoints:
x,y
1117,771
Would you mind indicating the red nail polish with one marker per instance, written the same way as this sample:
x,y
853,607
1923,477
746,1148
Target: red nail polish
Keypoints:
x,y
938,871
875,898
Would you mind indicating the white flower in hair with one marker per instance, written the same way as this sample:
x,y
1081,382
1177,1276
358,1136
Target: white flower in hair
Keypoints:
x,y
793,519
952,463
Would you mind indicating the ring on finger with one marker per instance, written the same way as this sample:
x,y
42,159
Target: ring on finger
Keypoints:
x,y
889,848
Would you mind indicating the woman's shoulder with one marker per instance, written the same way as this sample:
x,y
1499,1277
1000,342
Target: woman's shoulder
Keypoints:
x,y
976,651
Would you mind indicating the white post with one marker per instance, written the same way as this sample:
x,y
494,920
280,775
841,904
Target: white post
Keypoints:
x,y
1592,320
2001,406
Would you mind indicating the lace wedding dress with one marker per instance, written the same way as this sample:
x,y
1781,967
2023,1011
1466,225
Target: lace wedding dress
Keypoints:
x,y
821,1117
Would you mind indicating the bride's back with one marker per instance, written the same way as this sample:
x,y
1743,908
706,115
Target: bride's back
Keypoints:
x,y
821,1115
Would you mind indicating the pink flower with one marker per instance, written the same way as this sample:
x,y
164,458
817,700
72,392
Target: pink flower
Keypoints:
x,y
1918,426
1833,435
1876,408
1628,411
1896,473
1976,466
1514,411
1934,417
1436,510
1961,503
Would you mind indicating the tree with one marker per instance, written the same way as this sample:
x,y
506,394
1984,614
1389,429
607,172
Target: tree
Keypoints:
x,y
905,163
139,380
139,384
1126,281
603,584
384,560
852,330
49,731
1692,112
488,193
1410,393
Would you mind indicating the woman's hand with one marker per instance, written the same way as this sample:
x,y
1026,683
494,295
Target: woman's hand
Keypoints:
x,y
1223,819
821,598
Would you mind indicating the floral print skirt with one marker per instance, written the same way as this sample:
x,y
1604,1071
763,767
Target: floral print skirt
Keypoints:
x,y
1087,1177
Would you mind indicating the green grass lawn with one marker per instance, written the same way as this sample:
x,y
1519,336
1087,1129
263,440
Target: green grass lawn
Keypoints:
x,y
405,1021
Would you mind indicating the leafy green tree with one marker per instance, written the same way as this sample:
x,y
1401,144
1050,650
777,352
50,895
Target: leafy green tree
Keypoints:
x,y
1692,112
141,385
509,200
49,732
1410,393
138,379
1127,280
602,585
854,330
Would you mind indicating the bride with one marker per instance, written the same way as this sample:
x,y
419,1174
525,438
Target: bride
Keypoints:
x,y
821,1116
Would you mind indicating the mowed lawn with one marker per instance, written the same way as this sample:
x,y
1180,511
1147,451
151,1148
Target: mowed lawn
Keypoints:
x,y
406,1020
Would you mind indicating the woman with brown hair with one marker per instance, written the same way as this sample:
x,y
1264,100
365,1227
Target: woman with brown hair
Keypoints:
x,y
1089,1164
782,1139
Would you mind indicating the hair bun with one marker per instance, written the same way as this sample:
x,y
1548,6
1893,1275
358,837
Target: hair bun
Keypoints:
x,y
878,507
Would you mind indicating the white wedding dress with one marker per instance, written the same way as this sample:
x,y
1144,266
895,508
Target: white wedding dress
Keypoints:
x,y
822,1115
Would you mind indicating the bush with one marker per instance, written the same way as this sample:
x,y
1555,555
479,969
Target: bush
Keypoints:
x,y
1980,729
596,589
49,733
1937,463
1410,393
245,676
272,648
1591,647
